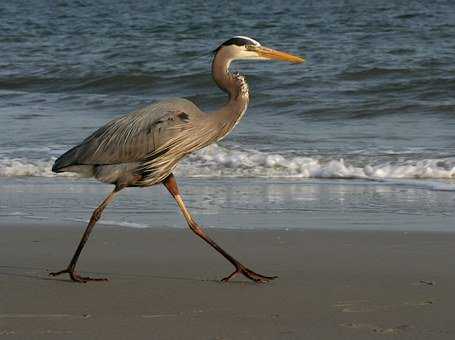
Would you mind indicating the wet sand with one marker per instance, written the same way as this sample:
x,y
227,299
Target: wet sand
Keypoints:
x,y
164,285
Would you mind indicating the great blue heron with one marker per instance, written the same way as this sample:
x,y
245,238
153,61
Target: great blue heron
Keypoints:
x,y
142,148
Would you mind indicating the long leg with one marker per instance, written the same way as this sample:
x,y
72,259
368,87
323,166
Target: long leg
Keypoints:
x,y
171,185
95,217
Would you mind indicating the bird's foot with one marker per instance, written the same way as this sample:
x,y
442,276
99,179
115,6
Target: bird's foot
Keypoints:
x,y
258,278
76,277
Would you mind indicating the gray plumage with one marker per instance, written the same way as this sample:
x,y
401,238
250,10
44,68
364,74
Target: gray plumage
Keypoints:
x,y
130,148
143,147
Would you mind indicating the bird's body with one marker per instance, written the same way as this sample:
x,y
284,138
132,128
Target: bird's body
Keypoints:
x,y
142,148
127,149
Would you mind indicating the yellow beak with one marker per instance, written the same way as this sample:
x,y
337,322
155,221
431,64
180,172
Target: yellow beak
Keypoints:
x,y
269,53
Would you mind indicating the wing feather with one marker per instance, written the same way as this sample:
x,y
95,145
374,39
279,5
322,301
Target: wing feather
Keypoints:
x,y
132,137
161,161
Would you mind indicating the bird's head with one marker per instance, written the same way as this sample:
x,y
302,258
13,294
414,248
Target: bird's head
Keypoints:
x,y
240,48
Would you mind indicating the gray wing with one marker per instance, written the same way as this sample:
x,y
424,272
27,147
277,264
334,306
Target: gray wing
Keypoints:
x,y
132,137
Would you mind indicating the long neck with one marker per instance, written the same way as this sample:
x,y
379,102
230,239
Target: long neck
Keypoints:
x,y
237,89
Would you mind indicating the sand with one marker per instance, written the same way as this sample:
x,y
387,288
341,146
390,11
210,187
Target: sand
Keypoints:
x,y
164,285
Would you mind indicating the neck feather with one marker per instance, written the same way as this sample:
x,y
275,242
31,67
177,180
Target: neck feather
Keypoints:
x,y
235,86
232,83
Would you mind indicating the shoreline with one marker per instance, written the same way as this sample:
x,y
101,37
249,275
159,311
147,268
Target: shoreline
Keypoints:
x,y
163,284
233,204
74,225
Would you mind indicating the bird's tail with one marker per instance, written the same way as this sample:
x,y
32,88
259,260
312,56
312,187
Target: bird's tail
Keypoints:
x,y
65,160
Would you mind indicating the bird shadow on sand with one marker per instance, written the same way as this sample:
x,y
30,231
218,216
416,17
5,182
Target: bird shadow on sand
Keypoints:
x,y
23,272
36,273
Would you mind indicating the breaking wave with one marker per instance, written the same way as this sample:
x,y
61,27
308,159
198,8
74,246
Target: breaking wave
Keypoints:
x,y
20,167
218,161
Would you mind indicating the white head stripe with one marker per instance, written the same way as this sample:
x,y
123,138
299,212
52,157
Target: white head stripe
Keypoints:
x,y
249,39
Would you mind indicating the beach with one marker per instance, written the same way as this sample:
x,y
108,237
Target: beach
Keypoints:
x,y
355,260
237,203
339,179
164,284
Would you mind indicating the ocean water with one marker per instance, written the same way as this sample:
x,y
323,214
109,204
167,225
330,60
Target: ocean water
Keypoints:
x,y
374,101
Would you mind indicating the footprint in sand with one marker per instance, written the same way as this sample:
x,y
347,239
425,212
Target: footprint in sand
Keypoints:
x,y
364,306
423,303
358,306
376,329
7,332
425,283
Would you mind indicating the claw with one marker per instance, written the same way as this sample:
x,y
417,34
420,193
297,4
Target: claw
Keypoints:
x,y
258,278
76,277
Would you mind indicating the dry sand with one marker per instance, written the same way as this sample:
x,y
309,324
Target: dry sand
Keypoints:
x,y
163,285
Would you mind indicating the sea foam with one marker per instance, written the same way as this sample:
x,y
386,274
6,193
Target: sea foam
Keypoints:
x,y
23,167
218,161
